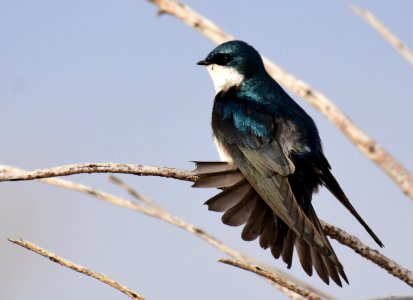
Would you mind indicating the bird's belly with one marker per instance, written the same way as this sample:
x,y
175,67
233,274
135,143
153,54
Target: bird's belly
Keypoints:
x,y
223,152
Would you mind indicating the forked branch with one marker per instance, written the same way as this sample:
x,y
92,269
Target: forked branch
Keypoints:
x,y
13,174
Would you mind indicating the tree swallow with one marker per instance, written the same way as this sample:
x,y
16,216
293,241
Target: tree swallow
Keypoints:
x,y
272,163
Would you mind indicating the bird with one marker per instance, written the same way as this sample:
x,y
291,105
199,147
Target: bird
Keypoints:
x,y
272,162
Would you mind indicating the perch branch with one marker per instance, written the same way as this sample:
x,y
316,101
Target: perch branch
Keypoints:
x,y
88,168
358,137
274,278
373,255
385,32
68,264
11,174
166,217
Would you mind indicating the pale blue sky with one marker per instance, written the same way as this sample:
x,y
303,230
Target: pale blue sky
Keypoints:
x,y
97,81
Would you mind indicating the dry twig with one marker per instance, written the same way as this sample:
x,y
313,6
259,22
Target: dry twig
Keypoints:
x,y
274,278
155,212
373,255
88,168
274,272
358,137
385,32
11,174
66,263
134,193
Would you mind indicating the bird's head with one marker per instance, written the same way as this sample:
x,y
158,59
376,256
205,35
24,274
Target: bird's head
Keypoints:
x,y
229,63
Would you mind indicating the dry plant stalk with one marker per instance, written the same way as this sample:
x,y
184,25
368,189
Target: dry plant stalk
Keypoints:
x,y
358,137
284,288
68,264
156,212
274,278
385,32
379,259
13,174
88,168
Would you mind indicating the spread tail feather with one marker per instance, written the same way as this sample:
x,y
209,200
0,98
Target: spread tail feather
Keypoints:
x,y
216,175
242,205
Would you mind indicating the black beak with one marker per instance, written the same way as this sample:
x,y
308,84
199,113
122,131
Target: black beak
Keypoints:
x,y
203,63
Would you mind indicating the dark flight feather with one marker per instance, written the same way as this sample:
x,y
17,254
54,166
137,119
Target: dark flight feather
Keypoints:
x,y
332,185
242,205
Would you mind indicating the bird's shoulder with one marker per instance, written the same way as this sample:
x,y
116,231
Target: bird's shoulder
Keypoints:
x,y
245,113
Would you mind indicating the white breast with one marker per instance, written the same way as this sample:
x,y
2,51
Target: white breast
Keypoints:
x,y
224,77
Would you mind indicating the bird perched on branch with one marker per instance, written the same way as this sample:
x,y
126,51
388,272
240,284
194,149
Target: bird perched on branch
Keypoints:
x,y
272,163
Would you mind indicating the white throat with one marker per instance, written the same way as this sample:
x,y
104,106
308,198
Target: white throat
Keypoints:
x,y
224,77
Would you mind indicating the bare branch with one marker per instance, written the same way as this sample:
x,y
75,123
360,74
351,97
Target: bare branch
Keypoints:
x,y
134,193
57,259
88,168
169,218
385,32
9,173
358,137
373,255
272,277
155,205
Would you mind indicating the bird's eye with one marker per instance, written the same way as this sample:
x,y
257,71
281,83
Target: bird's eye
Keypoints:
x,y
221,59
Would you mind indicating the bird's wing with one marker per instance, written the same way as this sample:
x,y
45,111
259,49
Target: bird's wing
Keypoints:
x,y
247,132
276,192
241,204
269,158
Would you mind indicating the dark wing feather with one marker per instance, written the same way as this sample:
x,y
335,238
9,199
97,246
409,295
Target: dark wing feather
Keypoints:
x,y
319,266
269,158
229,197
332,269
255,224
269,230
218,180
332,185
277,193
287,253
304,254
273,233
208,167
242,211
